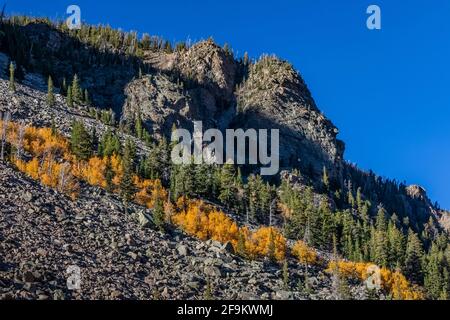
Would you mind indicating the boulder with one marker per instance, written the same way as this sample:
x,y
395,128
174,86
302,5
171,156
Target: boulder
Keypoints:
x,y
182,250
145,221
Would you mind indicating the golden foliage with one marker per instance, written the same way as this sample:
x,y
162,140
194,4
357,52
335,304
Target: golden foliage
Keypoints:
x,y
117,168
392,281
304,253
206,222
149,191
263,240
51,174
93,170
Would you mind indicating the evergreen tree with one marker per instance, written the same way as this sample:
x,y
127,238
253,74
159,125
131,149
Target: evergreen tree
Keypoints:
x,y
359,202
396,248
202,180
109,175
80,141
94,139
152,167
327,226
271,249
138,127
77,93
436,278
50,94
413,259
69,98
158,210
227,195
381,240
109,144
350,197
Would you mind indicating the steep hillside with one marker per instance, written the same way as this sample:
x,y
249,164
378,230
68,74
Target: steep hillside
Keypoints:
x,y
42,233
109,99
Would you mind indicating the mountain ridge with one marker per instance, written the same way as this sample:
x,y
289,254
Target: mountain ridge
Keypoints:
x,y
156,86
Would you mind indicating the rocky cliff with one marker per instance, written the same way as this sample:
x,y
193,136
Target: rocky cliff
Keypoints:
x,y
275,96
272,96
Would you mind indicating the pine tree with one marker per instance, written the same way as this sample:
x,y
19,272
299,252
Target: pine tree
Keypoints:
x,y
94,138
227,195
109,144
109,175
359,201
413,259
327,225
203,180
381,240
271,249
138,128
158,212
69,98
436,273
396,248
12,81
80,141
50,94
77,93
350,197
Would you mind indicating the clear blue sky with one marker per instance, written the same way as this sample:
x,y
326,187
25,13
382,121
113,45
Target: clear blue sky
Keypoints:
x,y
387,91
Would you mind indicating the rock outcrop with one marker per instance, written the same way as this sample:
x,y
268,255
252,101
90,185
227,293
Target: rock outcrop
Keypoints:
x,y
196,84
275,96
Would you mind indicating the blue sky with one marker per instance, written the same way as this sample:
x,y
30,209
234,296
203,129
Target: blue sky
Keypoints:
x,y
387,91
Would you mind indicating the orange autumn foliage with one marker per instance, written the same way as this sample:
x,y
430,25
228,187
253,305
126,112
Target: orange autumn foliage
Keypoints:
x,y
117,168
304,253
392,281
258,243
37,141
51,174
206,222
149,191
93,170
